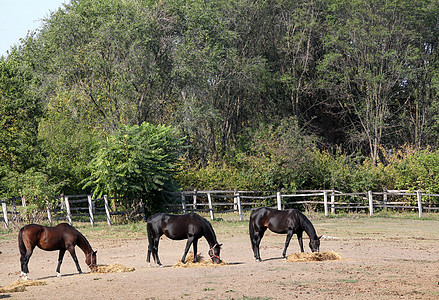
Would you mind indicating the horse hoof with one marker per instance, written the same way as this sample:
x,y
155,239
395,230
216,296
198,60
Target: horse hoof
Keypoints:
x,y
58,275
160,266
24,276
258,260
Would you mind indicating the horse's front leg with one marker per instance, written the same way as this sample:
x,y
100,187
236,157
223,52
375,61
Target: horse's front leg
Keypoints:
x,y
188,245
60,258
71,249
287,242
195,247
299,238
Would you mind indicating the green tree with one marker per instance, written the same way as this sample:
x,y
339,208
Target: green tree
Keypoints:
x,y
136,160
20,112
370,51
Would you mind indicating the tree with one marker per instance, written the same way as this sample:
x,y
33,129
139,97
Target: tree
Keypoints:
x,y
136,160
20,112
369,55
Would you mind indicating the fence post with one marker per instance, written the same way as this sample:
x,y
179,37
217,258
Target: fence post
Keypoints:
x,y
369,195
5,214
238,200
235,201
418,195
14,210
23,201
90,209
69,214
325,202
209,198
183,202
332,202
49,214
194,197
279,201
107,210
385,198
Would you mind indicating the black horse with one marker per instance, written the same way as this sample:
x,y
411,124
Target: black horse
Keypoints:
x,y
179,227
290,221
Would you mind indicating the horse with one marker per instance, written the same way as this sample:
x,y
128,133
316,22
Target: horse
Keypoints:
x,y
61,237
179,227
290,221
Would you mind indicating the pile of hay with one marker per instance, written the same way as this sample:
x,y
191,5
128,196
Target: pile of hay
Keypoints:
x,y
189,262
20,286
114,268
314,256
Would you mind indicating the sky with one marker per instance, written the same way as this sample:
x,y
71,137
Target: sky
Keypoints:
x,y
17,17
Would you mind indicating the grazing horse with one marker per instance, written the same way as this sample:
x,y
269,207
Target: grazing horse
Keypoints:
x,y
61,237
179,227
290,221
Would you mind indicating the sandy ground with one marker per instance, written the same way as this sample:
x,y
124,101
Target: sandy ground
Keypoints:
x,y
382,259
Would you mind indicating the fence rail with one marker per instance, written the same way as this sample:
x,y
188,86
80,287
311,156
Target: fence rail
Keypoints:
x,y
65,207
68,207
329,200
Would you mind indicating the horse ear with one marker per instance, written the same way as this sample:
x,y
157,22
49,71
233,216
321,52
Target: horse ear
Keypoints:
x,y
319,237
220,245
95,251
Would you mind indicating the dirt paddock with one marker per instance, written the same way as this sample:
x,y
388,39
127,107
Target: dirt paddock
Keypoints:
x,y
382,258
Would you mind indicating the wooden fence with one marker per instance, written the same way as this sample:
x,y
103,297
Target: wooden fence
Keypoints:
x,y
329,200
68,207
64,207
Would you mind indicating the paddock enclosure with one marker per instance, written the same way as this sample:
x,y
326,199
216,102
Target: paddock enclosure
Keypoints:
x,y
381,258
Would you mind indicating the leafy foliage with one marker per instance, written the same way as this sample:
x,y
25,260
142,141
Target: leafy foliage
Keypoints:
x,y
136,160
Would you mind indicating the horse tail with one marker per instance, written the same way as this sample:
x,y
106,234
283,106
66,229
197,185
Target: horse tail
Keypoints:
x,y
251,227
150,238
21,245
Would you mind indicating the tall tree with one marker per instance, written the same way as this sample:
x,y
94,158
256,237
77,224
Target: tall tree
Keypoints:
x,y
369,54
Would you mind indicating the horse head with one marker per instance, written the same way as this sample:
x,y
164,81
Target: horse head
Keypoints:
x,y
314,244
214,253
91,260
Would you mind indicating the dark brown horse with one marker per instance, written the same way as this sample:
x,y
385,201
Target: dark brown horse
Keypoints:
x,y
61,237
290,221
179,227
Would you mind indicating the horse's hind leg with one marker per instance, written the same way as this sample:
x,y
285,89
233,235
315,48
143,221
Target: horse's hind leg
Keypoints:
x,y
256,241
60,258
155,251
190,240
24,259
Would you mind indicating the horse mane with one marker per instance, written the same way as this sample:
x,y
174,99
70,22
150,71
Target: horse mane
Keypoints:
x,y
307,226
83,243
210,228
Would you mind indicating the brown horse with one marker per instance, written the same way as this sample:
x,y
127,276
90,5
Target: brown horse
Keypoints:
x,y
289,221
179,227
61,237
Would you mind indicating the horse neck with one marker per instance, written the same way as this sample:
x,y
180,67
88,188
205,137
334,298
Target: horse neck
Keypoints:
x,y
84,244
209,234
308,227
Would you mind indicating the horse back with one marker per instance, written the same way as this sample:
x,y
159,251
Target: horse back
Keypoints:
x,y
278,221
176,227
49,238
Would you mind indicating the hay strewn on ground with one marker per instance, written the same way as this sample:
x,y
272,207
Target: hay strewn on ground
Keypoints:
x,y
20,286
189,262
314,256
114,268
